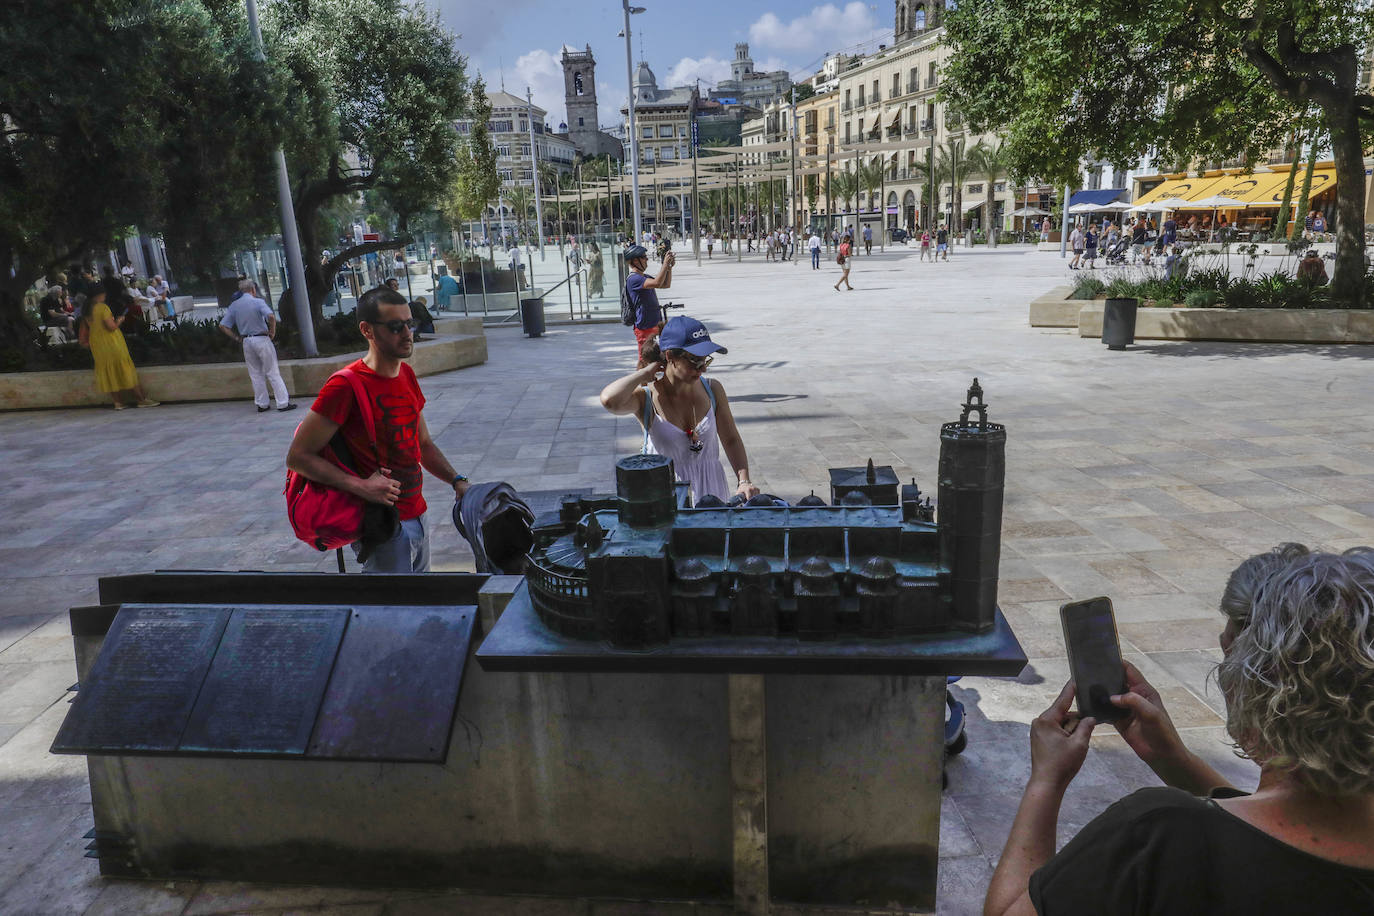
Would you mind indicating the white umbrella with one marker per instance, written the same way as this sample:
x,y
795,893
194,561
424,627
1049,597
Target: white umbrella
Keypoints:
x,y
1215,202
1168,203
1086,208
1029,211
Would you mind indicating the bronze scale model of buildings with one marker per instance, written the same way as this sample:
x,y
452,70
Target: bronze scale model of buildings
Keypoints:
x,y
645,567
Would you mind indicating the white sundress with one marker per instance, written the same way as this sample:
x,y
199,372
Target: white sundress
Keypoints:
x,y
700,470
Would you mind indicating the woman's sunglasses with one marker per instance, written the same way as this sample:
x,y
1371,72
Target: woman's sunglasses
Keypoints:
x,y
696,363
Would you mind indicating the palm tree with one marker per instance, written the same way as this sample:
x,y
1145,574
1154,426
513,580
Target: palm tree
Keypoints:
x,y
520,199
952,162
871,176
845,185
989,162
930,179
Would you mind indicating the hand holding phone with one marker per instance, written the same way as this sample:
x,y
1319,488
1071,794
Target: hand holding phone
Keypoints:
x,y
1094,657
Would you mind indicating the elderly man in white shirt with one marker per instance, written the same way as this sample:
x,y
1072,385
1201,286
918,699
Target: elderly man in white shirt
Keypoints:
x,y
249,320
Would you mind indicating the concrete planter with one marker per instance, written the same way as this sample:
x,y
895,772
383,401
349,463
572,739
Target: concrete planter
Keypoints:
x,y
1175,321
1313,326
463,344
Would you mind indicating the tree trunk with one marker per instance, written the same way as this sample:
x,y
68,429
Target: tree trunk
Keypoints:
x,y
1282,224
15,331
1300,217
1349,281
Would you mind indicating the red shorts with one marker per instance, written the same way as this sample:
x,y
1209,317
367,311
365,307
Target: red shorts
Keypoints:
x,y
643,334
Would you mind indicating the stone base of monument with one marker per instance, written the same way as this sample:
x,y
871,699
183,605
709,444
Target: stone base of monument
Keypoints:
x,y
713,785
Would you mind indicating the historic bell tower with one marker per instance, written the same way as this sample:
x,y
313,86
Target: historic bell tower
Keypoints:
x,y
579,92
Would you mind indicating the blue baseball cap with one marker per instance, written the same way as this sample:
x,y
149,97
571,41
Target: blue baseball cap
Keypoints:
x,y
683,333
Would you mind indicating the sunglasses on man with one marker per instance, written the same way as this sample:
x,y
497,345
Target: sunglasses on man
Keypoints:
x,y
396,325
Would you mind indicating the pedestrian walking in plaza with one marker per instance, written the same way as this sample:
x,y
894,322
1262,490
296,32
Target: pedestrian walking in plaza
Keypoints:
x,y
925,245
814,243
1076,243
868,239
1090,247
641,291
842,258
685,416
1138,247
710,244
769,245
391,466
596,271
249,321
942,244
114,368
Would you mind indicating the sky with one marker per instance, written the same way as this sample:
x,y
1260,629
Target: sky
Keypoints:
x,y
522,40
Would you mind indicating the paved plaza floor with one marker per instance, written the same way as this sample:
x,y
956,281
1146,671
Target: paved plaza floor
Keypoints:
x,y
1145,475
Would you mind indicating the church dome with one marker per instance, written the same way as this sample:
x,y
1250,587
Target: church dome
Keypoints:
x,y
645,81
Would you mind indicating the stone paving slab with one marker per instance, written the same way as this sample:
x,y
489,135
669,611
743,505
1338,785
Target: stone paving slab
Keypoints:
x,y
1146,475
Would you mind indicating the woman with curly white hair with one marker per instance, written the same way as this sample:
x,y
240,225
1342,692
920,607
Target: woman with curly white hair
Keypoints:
x,y
1298,681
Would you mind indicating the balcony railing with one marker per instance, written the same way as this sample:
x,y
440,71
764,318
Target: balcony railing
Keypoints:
x,y
874,134
861,103
847,108
928,124
932,82
913,86
911,130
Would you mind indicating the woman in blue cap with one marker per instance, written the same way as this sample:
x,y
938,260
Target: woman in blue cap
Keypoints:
x,y
686,417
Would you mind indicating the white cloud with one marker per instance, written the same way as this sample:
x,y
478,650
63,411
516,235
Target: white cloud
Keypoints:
x,y
710,70
824,28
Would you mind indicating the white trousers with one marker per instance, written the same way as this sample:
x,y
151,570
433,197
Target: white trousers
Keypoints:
x,y
261,357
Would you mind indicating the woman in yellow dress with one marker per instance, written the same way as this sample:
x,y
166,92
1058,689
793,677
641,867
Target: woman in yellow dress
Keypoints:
x,y
114,368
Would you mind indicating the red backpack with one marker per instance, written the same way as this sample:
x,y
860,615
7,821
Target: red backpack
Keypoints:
x,y
323,517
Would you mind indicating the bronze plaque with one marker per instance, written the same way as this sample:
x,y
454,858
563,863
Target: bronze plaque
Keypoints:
x,y
139,694
264,689
395,687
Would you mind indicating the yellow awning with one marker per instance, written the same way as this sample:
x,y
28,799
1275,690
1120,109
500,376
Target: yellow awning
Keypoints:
x,y
1185,188
1254,190
1322,180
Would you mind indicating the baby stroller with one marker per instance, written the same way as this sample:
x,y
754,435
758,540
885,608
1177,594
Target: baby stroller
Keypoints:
x,y
1118,250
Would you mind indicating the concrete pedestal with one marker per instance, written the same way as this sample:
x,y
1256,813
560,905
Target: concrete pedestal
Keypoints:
x,y
744,787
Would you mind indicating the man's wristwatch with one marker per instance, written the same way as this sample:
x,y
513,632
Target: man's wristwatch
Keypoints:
x,y
457,479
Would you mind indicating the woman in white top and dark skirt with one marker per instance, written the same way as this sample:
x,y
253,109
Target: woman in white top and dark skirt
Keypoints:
x,y
686,417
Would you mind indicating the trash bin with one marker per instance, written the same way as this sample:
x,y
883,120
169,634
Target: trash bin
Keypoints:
x,y
1118,323
532,315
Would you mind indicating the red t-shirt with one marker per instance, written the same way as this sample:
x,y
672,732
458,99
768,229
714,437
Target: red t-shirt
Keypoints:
x,y
396,406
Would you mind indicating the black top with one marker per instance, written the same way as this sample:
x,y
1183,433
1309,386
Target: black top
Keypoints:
x,y
1163,851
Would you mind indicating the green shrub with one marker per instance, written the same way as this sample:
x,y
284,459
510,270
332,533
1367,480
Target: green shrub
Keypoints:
x,y
1208,278
1242,294
1123,287
1087,287
1202,299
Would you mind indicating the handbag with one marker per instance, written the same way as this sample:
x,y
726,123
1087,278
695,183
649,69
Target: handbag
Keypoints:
x,y
324,517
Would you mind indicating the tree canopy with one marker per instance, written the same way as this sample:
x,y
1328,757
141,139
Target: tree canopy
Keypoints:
x,y
373,88
148,113
1177,80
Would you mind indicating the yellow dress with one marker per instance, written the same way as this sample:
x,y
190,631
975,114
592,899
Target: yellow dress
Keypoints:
x,y
114,368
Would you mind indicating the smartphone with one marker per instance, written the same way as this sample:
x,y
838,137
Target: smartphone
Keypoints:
x,y
1094,657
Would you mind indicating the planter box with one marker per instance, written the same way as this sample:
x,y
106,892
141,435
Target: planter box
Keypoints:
x,y
1317,326
467,346
1055,309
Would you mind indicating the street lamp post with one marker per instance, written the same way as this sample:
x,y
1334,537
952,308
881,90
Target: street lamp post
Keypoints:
x,y
534,170
634,132
289,238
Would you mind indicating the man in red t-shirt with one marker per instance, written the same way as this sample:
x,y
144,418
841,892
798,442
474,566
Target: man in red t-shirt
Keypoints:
x,y
391,466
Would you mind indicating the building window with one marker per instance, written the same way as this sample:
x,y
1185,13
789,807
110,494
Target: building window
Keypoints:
x,y
500,127
506,174
667,152
665,130
876,94
846,132
861,127
896,85
579,122
1001,185
577,84
846,100
975,189
503,149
